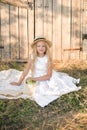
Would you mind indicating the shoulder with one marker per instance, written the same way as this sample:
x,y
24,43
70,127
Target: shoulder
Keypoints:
x,y
30,59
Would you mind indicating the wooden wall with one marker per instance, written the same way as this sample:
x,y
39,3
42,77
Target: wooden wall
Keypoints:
x,y
61,21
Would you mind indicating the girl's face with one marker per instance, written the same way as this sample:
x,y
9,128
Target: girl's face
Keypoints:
x,y
41,48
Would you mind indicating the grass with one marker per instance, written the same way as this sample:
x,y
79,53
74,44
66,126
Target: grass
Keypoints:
x,y
69,112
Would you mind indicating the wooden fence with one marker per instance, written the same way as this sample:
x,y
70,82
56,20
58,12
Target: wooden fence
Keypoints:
x,y
61,21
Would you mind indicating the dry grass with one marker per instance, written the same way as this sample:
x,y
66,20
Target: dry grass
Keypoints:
x,y
74,121
77,121
69,112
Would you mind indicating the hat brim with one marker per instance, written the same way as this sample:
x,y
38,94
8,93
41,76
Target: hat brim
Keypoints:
x,y
44,40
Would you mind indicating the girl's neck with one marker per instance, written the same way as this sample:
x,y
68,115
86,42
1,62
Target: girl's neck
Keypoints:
x,y
41,55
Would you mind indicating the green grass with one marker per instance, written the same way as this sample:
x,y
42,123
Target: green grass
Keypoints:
x,y
23,114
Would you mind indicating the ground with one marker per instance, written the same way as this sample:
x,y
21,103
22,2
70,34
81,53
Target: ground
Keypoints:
x,y
69,112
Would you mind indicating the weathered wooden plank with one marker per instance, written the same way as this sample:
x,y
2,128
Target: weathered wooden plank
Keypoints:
x,y
57,42
23,40
84,29
66,28
76,22
61,21
85,49
14,32
16,3
31,28
1,48
48,10
81,19
5,30
39,23
79,29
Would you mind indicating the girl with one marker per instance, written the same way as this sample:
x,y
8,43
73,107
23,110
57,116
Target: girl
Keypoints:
x,y
45,84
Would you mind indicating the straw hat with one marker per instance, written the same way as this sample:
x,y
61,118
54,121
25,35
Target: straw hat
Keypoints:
x,y
37,39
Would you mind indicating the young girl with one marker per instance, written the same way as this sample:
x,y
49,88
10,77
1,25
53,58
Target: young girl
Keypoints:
x,y
44,84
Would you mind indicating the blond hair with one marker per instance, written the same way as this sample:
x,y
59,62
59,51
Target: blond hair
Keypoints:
x,y
35,55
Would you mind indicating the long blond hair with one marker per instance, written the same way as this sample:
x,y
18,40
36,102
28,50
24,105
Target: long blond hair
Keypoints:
x,y
35,55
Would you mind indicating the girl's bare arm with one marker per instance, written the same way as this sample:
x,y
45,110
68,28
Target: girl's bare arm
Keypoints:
x,y
44,77
24,73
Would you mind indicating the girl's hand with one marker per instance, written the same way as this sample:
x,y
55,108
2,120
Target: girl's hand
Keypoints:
x,y
15,83
29,78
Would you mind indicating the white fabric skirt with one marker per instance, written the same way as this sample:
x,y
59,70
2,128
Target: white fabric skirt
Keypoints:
x,y
43,93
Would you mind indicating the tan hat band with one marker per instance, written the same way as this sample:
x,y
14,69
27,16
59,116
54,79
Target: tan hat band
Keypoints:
x,y
42,38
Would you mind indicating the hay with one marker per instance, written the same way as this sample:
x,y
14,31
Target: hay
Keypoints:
x,y
77,122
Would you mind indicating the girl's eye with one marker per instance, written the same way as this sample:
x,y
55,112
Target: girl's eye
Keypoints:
x,y
40,46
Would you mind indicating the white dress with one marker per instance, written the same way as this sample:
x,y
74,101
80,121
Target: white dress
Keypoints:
x,y
45,91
